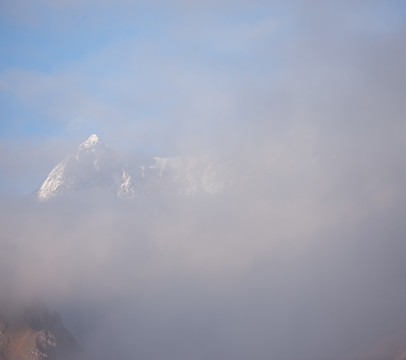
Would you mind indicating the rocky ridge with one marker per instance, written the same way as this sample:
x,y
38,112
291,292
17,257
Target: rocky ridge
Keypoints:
x,y
96,166
37,334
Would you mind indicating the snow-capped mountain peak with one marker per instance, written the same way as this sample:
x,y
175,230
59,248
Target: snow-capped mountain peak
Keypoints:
x,y
92,141
95,166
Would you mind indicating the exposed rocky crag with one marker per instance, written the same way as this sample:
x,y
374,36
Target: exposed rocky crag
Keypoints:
x,y
37,334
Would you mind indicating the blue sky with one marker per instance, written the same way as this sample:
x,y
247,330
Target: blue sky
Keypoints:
x,y
181,77
127,68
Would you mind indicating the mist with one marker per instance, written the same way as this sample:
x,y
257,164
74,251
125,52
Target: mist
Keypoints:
x,y
299,258
302,255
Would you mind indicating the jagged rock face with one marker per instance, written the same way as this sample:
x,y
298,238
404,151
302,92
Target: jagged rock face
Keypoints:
x,y
126,190
37,334
94,166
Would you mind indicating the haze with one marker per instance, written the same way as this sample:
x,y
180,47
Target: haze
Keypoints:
x,y
301,102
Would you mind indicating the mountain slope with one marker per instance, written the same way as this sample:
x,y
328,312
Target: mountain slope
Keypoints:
x,y
95,166
37,334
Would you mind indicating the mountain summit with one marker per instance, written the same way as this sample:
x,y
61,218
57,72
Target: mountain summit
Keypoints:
x,y
96,166
92,141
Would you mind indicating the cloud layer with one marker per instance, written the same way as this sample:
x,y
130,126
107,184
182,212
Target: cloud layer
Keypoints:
x,y
300,258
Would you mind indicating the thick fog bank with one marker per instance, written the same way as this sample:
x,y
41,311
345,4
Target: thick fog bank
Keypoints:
x,y
300,264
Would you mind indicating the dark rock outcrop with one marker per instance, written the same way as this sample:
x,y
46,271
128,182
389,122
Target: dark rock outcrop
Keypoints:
x,y
37,334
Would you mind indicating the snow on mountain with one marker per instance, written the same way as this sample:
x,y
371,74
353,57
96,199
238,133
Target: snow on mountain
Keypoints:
x,y
126,190
95,165
91,143
190,175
